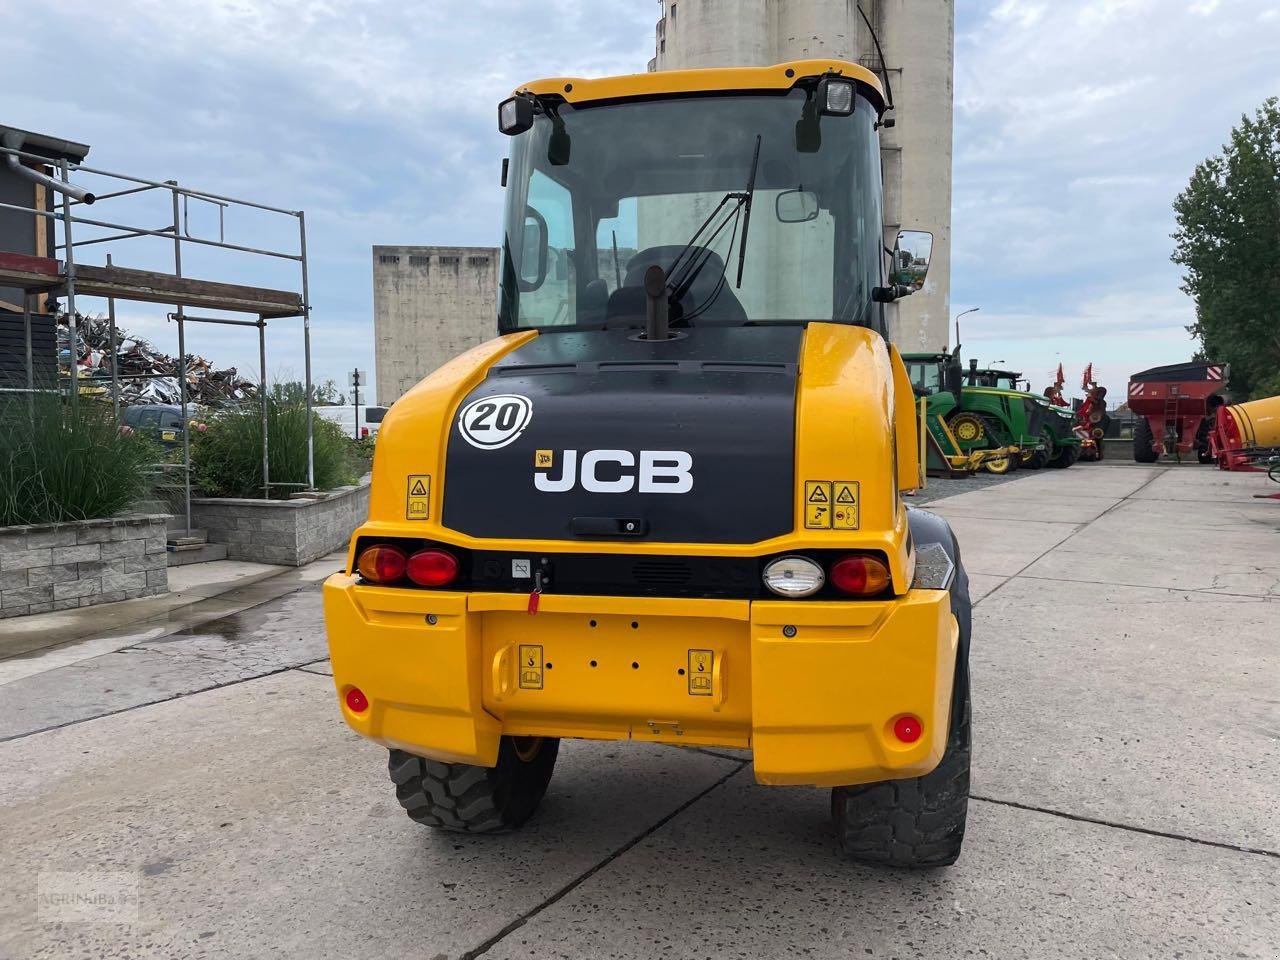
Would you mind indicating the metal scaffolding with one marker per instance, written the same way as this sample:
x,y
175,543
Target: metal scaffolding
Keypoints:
x,y
66,277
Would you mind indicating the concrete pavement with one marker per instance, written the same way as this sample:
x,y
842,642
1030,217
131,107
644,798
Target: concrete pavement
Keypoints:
x,y
1124,785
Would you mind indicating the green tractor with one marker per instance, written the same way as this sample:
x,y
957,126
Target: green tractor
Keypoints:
x,y
1020,428
1062,444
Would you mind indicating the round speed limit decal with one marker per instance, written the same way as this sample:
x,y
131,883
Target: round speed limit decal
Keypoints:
x,y
493,422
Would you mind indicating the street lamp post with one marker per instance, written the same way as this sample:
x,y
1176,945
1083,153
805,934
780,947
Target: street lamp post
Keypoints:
x,y
958,316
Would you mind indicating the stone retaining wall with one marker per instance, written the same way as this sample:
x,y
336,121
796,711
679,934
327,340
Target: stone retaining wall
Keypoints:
x,y
290,532
58,566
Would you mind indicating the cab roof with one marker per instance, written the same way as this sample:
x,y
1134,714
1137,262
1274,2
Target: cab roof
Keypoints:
x,y
780,76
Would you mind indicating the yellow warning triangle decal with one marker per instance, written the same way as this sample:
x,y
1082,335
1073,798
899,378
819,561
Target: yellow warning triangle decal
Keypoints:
x,y
419,490
818,496
844,496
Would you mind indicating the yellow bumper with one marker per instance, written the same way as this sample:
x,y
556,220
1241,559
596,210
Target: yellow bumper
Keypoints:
x,y
447,674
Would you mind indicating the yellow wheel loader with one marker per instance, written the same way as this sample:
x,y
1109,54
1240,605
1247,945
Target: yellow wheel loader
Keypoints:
x,y
664,504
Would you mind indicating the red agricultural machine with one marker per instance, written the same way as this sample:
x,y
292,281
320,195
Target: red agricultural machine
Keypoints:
x,y
1177,406
1246,436
1091,415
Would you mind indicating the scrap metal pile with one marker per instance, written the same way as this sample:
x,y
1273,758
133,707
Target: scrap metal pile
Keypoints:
x,y
146,374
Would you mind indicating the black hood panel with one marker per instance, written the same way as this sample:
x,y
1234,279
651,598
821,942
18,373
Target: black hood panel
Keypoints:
x,y
690,440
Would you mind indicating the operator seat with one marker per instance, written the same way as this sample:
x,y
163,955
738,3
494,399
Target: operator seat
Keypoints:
x,y
626,306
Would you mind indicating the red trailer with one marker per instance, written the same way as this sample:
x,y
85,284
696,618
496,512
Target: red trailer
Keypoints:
x,y
1176,405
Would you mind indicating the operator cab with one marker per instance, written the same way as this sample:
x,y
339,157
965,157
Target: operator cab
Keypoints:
x,y
760,201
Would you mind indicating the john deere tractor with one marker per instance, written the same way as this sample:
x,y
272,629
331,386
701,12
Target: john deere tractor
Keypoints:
x,y
992,418
1061,438
665,503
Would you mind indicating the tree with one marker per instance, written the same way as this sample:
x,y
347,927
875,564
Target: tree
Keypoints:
x,y
1228,240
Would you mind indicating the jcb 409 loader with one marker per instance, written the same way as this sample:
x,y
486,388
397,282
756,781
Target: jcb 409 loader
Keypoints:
x,y
665,503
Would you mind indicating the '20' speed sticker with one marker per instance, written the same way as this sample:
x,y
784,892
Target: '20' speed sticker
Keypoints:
x,y
493,422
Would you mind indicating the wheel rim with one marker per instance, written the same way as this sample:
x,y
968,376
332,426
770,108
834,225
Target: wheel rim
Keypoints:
x,y
967,429
527,747
999,465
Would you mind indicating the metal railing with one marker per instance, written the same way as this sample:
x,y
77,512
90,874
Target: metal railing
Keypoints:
x,y
179,231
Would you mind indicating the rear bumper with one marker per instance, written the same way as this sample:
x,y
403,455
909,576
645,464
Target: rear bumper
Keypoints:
x,y
814,708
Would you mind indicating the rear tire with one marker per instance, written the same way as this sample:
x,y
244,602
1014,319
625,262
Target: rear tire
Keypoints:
x,y
1144,450
466,798
917,823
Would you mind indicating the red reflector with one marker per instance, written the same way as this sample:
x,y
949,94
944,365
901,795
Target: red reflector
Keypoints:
x,y
357,702
432,568
382,563
859,576
907,729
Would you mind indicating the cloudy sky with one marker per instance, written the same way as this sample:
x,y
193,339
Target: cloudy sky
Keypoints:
x,y
1076,125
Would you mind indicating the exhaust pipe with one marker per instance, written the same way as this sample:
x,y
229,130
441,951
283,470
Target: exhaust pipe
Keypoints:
x,y
14,141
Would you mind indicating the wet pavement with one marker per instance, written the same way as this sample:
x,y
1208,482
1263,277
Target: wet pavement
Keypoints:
x,y
1125,779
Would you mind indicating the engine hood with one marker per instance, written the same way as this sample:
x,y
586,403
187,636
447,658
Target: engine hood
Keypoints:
x,y
600,436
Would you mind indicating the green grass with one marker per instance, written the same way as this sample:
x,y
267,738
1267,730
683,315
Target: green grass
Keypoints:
x,y
226,458
60,461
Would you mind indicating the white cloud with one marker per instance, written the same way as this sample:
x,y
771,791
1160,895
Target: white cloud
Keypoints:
x,y
1075,130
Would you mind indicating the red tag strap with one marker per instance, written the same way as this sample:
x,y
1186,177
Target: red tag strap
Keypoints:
x,y
533,600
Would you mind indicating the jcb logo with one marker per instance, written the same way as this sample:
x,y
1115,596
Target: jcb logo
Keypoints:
x,y
616,471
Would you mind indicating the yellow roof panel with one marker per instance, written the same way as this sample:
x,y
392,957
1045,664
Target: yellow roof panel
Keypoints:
x,y
780,76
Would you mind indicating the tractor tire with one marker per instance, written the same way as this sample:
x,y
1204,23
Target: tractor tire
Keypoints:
x,y
1065,458
1205,455
1002,465
469,799
1038,460
1144,450
916,823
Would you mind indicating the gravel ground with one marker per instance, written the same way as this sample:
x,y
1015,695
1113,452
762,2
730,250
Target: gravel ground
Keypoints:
x,y
939,487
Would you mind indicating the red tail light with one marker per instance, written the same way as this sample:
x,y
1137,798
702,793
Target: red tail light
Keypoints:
x,y
382,563
859,576
433,568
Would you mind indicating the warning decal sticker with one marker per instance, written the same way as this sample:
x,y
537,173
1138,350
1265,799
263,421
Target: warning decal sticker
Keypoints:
x,y
418,503
530,666
817,504
544,459
845,512
701,663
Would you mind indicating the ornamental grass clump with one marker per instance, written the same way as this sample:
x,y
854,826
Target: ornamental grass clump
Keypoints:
x,y
226,458
64,461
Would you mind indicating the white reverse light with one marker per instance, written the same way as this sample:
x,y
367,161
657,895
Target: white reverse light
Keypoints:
x,y
794,577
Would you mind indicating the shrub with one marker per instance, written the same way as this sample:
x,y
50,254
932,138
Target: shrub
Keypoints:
x,y
62,461
226,458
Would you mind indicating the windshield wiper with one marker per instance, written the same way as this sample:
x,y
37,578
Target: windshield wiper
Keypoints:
x,y
682,276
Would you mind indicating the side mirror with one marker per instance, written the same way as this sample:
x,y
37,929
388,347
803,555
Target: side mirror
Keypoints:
x,y
533,251
796,206
911,259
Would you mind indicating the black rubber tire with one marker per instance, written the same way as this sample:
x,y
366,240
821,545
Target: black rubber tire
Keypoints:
x,y
916,823
1205,455
465,798
1144,450
1065,458
1038,460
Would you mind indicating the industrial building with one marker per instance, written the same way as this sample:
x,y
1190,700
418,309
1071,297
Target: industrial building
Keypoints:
x,y
917,40
429,305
